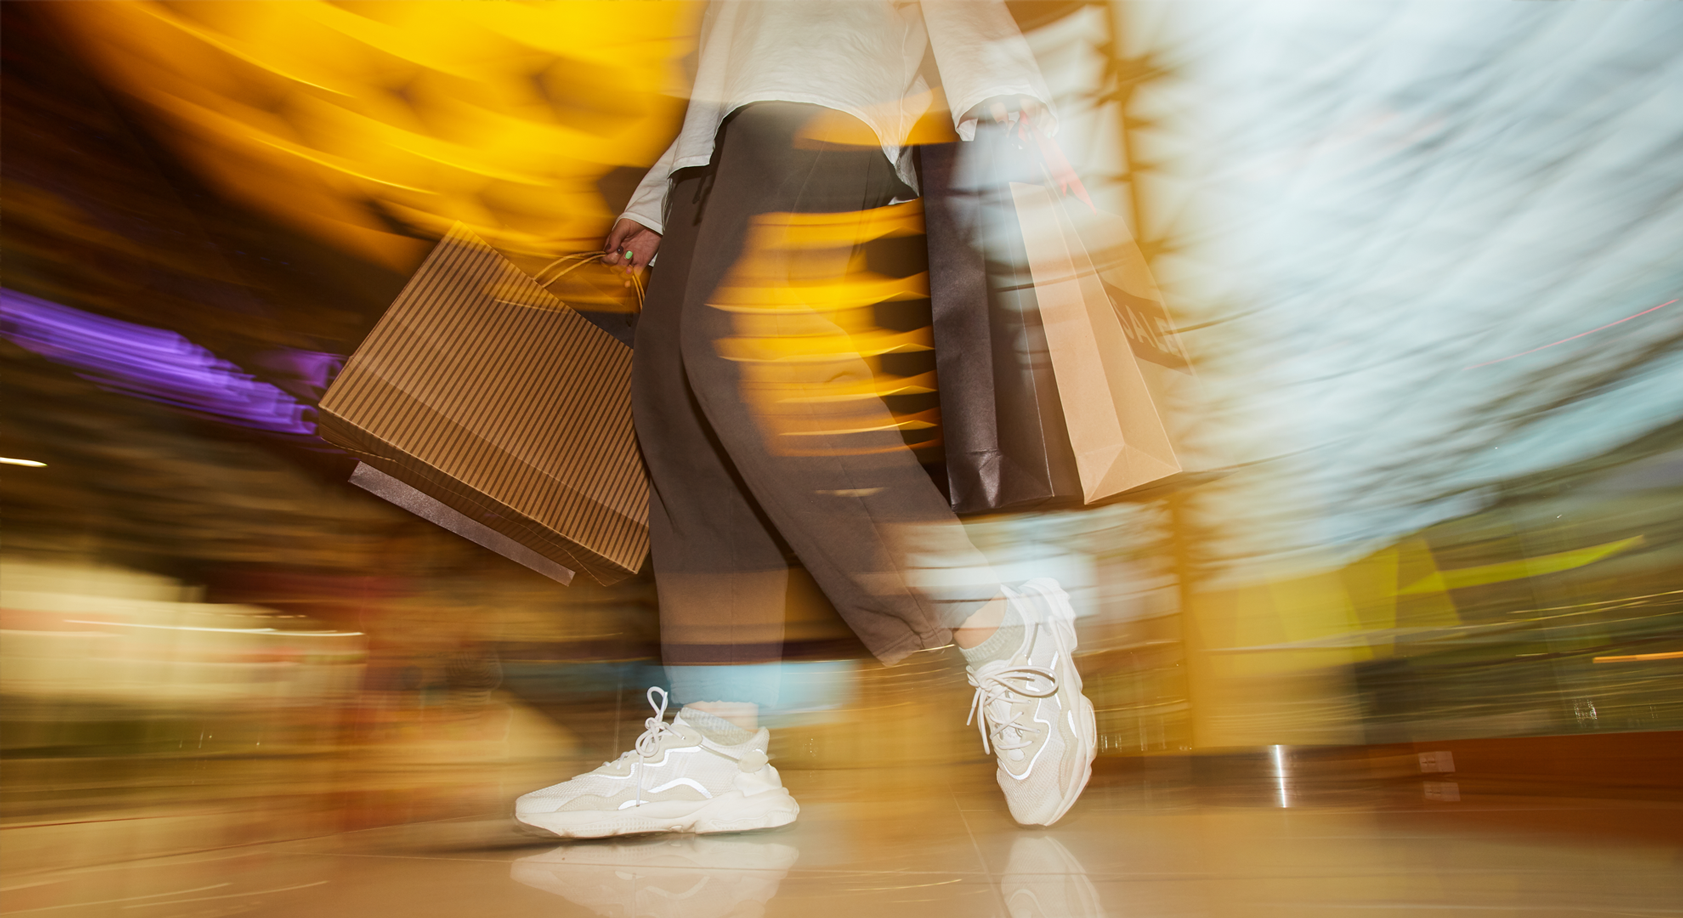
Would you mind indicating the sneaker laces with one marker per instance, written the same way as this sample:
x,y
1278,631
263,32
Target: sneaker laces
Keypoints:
x,y
1006,686
655,728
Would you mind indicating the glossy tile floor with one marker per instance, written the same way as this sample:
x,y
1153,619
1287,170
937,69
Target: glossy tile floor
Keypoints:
x,y
936,842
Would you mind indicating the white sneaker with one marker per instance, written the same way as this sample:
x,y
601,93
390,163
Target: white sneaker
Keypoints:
x,y
672,877
1031,713
675,779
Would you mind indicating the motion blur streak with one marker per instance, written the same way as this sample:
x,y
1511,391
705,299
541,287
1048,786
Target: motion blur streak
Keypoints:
x,y
350,120
815,319
148,363
1577,336
206,659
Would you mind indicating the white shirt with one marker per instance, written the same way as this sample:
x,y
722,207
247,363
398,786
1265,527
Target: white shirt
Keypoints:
x,y
861,57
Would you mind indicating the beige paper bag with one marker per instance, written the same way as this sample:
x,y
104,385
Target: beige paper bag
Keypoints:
x,y
1116,427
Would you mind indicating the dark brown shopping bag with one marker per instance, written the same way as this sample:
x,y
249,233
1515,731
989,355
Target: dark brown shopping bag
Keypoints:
x,y
1113,354
485,394
1002,425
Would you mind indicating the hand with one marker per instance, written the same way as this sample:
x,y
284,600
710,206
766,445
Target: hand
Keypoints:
x,y
631,244
1031,128
1000,108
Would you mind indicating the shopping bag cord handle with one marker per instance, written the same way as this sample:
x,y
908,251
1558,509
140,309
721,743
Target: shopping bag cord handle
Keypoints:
x,y
577,259
580,259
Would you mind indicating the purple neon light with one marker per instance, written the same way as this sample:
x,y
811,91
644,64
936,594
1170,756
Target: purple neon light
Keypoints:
x,y
149,363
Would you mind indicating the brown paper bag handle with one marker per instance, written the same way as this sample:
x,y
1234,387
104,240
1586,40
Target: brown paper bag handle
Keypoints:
x,y
580,259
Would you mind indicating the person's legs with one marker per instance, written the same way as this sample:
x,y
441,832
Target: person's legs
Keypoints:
x,y
721,573
788,393
790,396
758,416
707,413
721,577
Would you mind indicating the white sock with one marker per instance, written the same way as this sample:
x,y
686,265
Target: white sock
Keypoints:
x,y
1003,643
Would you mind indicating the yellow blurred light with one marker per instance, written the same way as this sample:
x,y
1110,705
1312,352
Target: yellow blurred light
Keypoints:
x,y
807,338
1641,657
341,119
27,463
1458,578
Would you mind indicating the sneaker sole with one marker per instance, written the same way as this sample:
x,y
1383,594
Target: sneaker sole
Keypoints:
x,y
1088,732
732,812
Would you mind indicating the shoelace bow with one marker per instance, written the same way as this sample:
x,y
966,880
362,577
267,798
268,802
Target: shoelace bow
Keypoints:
x,y
1006,685
649,742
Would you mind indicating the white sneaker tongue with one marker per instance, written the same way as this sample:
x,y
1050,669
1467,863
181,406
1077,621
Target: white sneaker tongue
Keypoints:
x,y
1001,712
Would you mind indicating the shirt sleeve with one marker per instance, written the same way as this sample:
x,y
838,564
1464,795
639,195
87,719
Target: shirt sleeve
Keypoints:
x,y
981,54
648,202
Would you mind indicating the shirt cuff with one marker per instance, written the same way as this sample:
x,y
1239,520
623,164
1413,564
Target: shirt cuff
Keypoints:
x,y
966,125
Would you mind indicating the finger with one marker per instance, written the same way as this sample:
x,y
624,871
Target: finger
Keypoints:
x,y
622,231
999,112
626,246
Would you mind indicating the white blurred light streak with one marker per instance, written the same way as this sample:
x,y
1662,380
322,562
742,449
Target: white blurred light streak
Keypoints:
x,y
1279,755
77,621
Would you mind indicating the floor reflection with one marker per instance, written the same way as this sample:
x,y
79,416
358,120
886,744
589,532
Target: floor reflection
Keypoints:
x,y
932,842
412,818
1044,880
682,877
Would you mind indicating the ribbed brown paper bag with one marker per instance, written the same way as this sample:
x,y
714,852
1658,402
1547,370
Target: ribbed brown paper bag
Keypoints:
x,y
481,390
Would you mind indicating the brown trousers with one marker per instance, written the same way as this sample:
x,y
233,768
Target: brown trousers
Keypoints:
x,y
742,461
